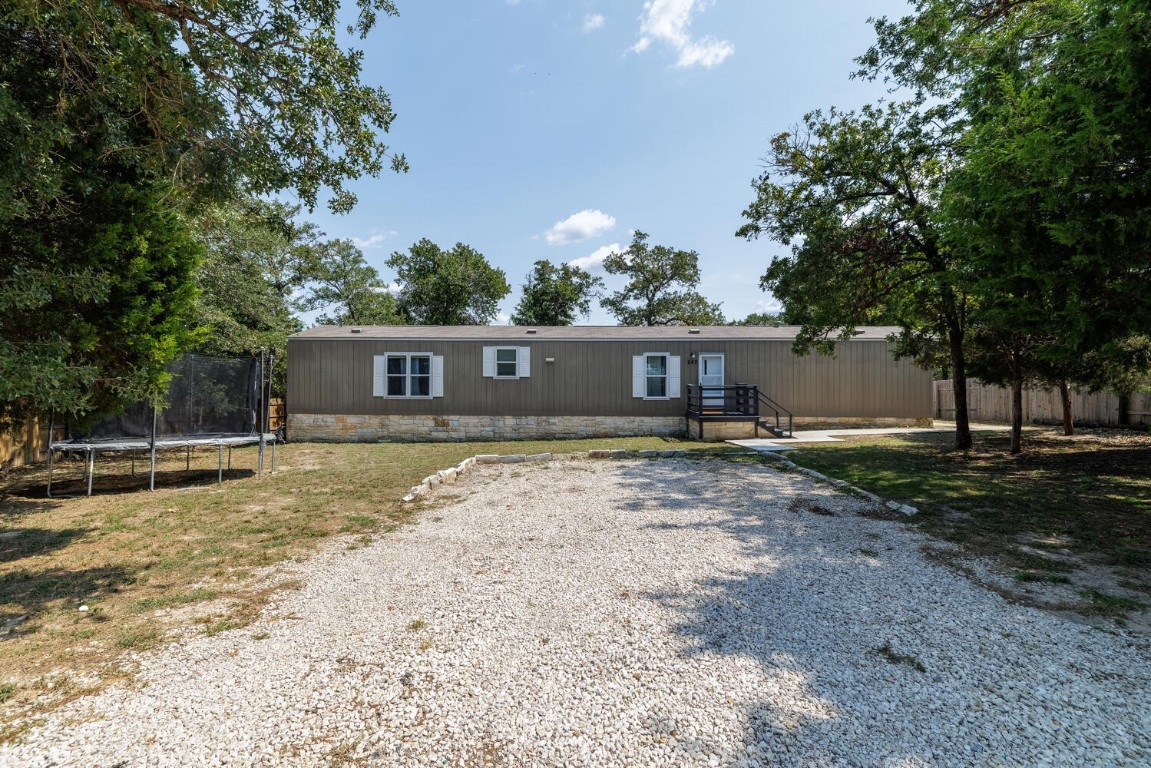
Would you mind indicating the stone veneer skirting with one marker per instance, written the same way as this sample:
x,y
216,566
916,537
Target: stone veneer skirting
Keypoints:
x,y
367,429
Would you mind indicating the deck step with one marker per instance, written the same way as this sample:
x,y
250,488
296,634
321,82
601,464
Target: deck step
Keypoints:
x,y
771,428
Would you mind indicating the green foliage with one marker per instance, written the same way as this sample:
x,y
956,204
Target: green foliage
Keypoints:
x,y
759,319
1049,198
341,281
96,297
856,194
456,287
118,120
651,296
214,94
1054,190
1004,208
256,257
556,295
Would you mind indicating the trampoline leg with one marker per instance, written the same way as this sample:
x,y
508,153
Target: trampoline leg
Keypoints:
x,y
133,455
229,458
220,476
152,470
91,469
49,469
188,459
273,457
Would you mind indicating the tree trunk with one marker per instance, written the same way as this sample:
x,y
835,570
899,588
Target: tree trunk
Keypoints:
x,y
1016,406
959,378
1065,398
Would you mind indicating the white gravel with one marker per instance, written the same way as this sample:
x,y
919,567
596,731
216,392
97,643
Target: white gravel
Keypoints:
x,y
637,613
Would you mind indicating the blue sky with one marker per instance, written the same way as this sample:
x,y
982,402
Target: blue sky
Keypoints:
x,y
541,129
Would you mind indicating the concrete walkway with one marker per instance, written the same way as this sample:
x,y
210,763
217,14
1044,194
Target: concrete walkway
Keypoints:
x,y
778,444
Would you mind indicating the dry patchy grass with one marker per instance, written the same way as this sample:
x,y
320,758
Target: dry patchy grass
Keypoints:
x,y
147,566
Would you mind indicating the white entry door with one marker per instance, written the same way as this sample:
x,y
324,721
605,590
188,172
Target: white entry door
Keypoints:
x,y
711,375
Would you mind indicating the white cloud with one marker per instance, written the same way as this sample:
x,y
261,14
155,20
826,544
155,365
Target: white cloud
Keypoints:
x,y
668,22
375,240
592,22
579,227
595,259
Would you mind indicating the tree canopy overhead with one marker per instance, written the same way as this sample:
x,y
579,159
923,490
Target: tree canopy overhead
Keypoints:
x,y
213,94
661,287
855,195
1033,120
120,122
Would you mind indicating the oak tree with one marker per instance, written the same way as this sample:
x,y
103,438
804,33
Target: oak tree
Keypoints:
x,y
856,194
456,287
351,291
556,295
660,288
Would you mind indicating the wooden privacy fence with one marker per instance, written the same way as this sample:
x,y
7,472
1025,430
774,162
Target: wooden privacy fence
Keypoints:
x,y
277,414
1042,405
25,443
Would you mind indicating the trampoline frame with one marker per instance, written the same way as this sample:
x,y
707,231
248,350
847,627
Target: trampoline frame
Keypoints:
x,y
154,443
220,441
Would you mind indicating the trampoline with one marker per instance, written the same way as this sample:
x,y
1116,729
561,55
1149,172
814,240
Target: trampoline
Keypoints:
x,y
211,402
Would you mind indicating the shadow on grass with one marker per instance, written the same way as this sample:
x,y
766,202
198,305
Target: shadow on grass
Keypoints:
x,y
1095,494
116,483
18,543
849,638
34,591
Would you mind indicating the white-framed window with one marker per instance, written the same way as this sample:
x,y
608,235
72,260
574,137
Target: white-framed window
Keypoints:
x,y
507,362
408,374
655,376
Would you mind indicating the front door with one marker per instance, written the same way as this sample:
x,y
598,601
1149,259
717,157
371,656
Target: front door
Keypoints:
x,y
711,375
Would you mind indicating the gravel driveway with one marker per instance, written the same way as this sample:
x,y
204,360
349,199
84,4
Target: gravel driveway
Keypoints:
x,y
638,613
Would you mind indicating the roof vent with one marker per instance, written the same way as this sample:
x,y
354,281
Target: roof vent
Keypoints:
x,y
693,330
357,330
530,330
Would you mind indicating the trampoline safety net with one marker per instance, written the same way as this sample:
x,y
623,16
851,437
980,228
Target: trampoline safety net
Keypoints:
x,y
208,396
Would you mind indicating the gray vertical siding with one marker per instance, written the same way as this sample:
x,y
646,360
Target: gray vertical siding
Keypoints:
x,y
588,378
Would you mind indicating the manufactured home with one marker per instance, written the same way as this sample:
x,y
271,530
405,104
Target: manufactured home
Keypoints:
x,y
423,383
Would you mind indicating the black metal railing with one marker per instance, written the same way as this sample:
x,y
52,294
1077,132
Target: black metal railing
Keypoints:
x,y
736,400
779,412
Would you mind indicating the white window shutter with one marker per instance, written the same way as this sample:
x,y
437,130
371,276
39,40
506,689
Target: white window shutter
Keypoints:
x,y
489,362
437,375
672,376
378,367
638,376
524,362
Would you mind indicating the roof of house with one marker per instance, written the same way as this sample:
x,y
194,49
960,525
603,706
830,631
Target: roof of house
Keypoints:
x,y
569,332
